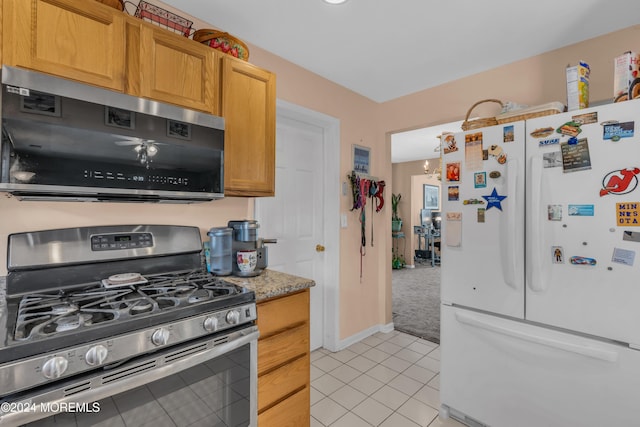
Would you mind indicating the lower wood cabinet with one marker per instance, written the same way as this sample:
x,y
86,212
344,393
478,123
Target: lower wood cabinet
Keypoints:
x,y
284,361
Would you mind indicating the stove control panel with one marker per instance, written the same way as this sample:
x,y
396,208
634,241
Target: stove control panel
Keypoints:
x,y
110,242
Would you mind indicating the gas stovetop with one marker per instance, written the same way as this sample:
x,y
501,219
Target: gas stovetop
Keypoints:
x,y
47,314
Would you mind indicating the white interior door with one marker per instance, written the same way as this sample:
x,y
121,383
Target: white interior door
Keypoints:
x,y
295,216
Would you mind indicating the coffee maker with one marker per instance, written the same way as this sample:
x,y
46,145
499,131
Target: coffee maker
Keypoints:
x,y
245,238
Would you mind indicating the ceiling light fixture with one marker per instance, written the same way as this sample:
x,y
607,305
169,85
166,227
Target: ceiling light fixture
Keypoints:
x,y
335,1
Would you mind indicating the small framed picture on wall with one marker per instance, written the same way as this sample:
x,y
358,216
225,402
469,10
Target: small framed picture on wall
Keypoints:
x,y
361,159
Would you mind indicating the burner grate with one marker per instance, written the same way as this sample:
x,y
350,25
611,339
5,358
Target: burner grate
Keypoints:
x,y
44,315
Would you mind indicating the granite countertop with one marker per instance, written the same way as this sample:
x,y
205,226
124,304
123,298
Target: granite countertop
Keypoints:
x,y
271,284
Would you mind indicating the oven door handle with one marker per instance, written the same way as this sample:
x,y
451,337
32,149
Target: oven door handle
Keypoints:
x,y
140,372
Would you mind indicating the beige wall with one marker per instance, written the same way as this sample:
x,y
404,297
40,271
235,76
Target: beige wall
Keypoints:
x,y
364,302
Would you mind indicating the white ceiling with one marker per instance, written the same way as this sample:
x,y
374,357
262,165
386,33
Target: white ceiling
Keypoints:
x,y
385,49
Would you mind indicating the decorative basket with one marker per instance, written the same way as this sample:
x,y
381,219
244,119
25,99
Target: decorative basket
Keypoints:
x,y
222,41
163,18
481,122
531,112
116,4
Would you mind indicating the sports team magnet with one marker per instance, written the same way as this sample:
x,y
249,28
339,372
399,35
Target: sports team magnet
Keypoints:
x,y
620,182
494,200
628,214
557,255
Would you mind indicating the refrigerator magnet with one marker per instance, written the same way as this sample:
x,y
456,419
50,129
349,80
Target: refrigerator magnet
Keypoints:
x,y
449,143
627,214
542,132
454,229
453,172
617,131
623,256
586,118
557,255
581,260
575,157
453,193
554,212
620,181
473,151
552,159
480,179
631,236
494,174
581,210
494,200
508,134
481,215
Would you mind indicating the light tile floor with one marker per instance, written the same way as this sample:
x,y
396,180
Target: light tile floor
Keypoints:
x,y
388,380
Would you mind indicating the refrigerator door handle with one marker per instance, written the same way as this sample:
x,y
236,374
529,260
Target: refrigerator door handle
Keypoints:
x,y
510,235
585,350
534,280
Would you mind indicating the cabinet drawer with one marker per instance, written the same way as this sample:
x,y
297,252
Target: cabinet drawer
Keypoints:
x,y
292,412
280,348
280,313
280,382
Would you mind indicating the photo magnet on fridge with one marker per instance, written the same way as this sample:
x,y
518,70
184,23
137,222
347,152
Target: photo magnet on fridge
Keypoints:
x,y
453,193
480,180
552,160
508,134
449,143
631,236
453,172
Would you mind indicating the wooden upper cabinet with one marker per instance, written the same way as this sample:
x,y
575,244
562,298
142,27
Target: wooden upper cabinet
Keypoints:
x,y
170,68
249,110
77,40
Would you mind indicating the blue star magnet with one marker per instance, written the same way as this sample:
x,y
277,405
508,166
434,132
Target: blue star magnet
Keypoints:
x,y
494,200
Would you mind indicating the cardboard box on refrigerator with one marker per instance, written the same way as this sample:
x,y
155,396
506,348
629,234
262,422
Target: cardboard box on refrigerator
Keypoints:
x,y
626,81
578,86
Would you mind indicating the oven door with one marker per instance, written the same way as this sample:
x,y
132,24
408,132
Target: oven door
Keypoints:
x,y
208,382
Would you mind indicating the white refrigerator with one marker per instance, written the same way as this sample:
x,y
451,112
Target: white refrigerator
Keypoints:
x,y
540,316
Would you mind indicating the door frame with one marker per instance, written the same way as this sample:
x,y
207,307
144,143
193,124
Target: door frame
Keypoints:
x,y
331,212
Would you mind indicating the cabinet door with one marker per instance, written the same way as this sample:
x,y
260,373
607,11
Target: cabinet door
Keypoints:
x,y
249,110
79,40
170,68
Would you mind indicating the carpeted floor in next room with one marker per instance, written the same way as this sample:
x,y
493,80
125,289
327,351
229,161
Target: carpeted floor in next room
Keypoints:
x,y
416,301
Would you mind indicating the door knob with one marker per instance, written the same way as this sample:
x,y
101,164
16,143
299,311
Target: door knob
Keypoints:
x,y
319,248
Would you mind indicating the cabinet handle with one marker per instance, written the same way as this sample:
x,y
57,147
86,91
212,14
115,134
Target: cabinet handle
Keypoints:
x,y
319,248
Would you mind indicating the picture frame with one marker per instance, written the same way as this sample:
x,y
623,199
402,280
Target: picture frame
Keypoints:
x,y
119,118
361,160
176,129
480,180
41,103
431,197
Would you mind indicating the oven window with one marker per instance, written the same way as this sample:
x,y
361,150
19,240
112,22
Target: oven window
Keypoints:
x,y
212,394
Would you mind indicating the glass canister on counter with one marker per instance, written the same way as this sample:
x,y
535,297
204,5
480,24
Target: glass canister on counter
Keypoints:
x,y
220,259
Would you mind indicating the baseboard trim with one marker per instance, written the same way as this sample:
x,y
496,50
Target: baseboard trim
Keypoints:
x,y
342,344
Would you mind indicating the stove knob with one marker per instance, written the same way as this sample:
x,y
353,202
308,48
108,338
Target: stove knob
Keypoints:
x,y
233,317
96,355
55,367
160,337
211,323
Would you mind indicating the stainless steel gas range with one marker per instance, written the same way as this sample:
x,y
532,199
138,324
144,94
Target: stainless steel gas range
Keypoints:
x,y
122,325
